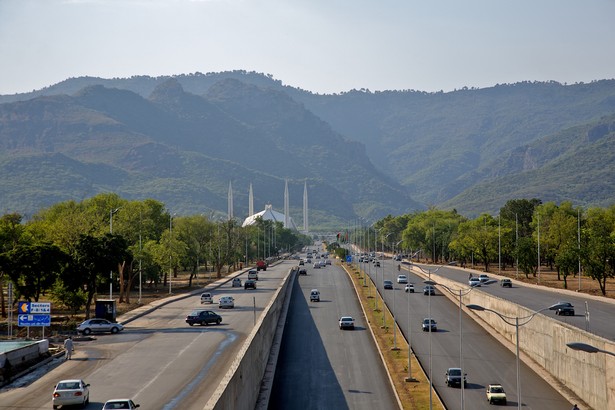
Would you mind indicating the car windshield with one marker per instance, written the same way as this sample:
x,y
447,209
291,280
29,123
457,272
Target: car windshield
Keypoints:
x,y
68,386
455,372
497,390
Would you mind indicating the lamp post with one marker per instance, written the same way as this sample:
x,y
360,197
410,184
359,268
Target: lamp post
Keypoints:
x,y
111,213
409,378
170,250
524,321
462,292
584,347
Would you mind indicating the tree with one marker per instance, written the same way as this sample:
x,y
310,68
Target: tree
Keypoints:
x,y
598,251
11,234
480,237
195,232
526,255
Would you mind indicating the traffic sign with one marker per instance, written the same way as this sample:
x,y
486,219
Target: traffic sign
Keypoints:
x,y
33,320
349,258
34,308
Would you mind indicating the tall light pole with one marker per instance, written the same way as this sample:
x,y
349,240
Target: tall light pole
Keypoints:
x,y
584,347
461,292
170,250
111,213
524,321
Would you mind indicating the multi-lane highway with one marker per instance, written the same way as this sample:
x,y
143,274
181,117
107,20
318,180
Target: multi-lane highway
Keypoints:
x,y
321,366
158,360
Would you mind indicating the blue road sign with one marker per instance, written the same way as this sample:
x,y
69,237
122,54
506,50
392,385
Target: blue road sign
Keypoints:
x,y
33,320
349,258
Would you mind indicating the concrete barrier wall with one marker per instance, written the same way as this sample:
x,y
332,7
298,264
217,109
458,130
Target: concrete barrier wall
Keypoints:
x,y
543,340
240,387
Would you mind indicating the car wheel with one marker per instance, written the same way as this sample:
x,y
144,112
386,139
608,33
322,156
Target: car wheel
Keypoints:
x,y
55,407
87,331
218,321
114,330
204,323
190,323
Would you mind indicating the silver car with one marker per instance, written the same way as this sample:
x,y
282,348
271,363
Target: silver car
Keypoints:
x,y
99,326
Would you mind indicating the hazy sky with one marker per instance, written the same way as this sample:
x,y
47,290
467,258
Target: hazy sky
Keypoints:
x,y
323,46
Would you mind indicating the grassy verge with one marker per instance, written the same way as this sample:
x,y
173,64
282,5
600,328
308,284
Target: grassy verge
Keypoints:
x,y
412,394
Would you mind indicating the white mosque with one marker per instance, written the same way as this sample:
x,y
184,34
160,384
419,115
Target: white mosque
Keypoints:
x,y
269,214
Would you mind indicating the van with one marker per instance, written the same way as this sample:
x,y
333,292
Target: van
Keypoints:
x,y
206,298
314,295
253,274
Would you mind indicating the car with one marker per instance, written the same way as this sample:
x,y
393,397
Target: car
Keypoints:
x,y
261,265
402,279
429,322
301,263
388,284
226,302
506,283
302,271
346,322
397,258
236,283
314,295
99,326
71,392
322,263
203,317
308,260
429,290
474,282
120,404
328,262
483,277
409,288
316,265
453,377
249,284
206,298
565,309
253,274
377,263
496,394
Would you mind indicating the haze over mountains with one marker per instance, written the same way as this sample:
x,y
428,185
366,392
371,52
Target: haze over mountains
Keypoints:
x,y
182,139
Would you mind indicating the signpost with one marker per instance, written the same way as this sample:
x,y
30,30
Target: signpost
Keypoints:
x,y
36,314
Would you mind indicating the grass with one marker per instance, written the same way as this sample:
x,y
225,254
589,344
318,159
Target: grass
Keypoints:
x,y
412,394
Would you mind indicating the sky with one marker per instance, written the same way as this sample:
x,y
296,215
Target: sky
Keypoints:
x,y
323,46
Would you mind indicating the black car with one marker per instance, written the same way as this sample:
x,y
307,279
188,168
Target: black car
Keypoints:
x,y
453,377
566,309
203,317
249,284
302,271
388,284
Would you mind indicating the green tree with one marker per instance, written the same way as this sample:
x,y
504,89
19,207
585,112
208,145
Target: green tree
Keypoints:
x,y
598,250
478,237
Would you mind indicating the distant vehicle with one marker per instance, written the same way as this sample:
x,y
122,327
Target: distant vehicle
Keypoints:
x,y
249,284
409,288
377,263
253,274
397,258
496,394
453,377
483,277
328,261
346,322
203,317
429,290
99,326
429,322
71,392
566,309
402,279
474,282
120,404
237,283
316,265
506,283
207,297
388,284
314,295
302,271
308,260
261,265
301,263
226,302
322,264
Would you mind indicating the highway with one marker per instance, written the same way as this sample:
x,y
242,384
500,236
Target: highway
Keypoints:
x,y
485,359
321,366
158,360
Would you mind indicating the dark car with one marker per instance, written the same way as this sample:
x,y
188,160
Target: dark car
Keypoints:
x,y
249,284
429,290
565,309
302,271
203,317
388,284
453,377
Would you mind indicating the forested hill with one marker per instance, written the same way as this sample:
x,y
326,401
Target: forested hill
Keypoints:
x,y
182,138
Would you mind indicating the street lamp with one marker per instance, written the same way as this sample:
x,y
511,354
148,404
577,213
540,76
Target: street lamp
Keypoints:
x,y
525,320
111,213
462,292
584,347
170,250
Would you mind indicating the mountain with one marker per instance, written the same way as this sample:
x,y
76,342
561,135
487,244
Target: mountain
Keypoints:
x,y
183,149
363,154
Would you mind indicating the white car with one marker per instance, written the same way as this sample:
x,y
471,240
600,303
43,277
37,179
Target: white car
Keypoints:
x,y
316,265
120,404
402,279
409,288
474,282
71,392
206,298
226,302
253,274
346,322
99,326
483,277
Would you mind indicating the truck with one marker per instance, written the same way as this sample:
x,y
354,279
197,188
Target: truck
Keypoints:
x,y
261,265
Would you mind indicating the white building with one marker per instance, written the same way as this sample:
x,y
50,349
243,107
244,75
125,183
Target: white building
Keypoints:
x,y
269,215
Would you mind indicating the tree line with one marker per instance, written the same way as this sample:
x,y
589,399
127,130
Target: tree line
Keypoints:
x,y
526,233
72,252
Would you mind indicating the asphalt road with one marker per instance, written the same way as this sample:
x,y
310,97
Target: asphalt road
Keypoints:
x,y
158,360
485,359
321,366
